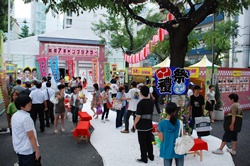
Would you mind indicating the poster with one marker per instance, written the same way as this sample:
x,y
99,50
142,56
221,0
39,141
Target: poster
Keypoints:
x,y
194,71
38,69
172,81
142,71
54,68
70,69
94,71
114,67
106,72
43,67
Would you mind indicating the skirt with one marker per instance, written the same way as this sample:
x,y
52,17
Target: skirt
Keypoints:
x,y
210,107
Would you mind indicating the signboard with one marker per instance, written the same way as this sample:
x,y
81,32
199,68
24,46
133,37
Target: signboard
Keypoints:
x,y
54,68
114,67
194,71
172,81
214,79
143,71
236,73
9,68
107,71
43,67
94,71
70,69
38,69
72,50
178,99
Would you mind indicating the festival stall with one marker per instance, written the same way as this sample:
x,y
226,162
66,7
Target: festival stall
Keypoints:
x,y
139,74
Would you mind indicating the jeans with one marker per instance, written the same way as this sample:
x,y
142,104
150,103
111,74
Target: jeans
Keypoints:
x,y
38,109
119,117
156,103
125,112
146,146
26,160
179,162
74,111
127,119
106,111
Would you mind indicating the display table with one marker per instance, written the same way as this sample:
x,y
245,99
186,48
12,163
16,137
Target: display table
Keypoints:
x,y
199,145
84,116
82,130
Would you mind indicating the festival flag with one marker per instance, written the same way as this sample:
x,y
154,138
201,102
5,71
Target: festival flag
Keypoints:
x,y
43,67
70,69
94,71
38,70
107,71
54,68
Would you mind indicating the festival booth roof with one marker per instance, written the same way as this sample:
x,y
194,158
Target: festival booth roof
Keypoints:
x,y
30,45
203,63
165,63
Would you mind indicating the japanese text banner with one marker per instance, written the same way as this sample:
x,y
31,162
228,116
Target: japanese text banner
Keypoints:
x,y
38,70
70,69
106,71
43,67
54,68
172,81
94,71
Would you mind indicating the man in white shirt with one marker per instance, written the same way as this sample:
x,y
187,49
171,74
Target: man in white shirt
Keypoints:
x,y
50,113
39,105
44,79
113,88
190,90
134,98
24,138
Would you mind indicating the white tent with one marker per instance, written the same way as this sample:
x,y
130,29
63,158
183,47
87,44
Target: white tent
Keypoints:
x,y
165,63
203,63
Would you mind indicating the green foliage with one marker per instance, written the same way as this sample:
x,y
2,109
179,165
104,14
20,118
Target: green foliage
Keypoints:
x,y
25,31
4,14
219,102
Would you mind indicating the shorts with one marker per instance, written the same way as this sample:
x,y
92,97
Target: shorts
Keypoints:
x,y
58,113
80,106
229,136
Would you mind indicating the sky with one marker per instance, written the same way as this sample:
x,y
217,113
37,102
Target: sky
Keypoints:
x,y
22,10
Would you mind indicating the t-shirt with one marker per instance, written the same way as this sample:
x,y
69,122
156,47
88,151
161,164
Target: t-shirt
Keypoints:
x,y
190,93
145,109
119,95
170,133
105,94
134,94
74,99
210,96
11,108
114,88
236,109
197,103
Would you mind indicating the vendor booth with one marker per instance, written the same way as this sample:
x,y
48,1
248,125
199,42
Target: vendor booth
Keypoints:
x,y
140,74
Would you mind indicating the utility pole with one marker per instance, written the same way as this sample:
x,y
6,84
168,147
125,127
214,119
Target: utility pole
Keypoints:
x,y
233,54
213,51
8,47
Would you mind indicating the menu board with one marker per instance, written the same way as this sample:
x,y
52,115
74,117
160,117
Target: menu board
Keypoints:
x,y
233,84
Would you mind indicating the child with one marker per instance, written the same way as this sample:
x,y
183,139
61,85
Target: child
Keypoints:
x,y
168,133
105,97
12,107
231,135
74,104
82,97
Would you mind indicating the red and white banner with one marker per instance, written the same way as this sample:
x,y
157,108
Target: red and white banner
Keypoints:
x,y
70,69
43,67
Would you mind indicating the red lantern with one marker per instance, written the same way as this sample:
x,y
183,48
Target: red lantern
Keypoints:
x,y
160,34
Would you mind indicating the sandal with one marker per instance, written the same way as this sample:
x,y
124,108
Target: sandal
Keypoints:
x,y
56,131
63,130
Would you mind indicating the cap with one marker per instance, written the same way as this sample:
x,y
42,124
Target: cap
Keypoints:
x,y
197,87
191,84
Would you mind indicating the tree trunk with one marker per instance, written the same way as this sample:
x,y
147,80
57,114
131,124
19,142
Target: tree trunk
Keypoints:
x,y
178,48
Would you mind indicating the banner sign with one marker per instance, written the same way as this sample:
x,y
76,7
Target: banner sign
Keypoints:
x,y
172,81
70,69
194,71
43,67
9,68
142,71
114,67
54,68
236,73
74,50
94,71
38,69
107,71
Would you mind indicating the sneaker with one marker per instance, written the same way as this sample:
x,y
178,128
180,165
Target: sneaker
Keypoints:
x,y
124,131
106,119
133,130
218,151
232,152
102,121
140,161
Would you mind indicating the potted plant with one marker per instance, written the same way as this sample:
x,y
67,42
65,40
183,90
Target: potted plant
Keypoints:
x,y
218,114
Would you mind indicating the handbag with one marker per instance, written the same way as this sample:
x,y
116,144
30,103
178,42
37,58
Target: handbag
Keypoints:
x,y
183,143
109,105
53,99
202,124
99,110
117,104
237,123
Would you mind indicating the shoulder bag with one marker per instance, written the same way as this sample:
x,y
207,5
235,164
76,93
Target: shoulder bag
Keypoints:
x,y
237,123
53,99
183,143
117,104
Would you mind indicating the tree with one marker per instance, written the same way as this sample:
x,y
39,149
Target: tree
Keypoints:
x,y
25,31
178,29
222,34
4,14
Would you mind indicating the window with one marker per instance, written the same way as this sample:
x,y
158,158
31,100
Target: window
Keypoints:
x,y
69,21
236,18
70,14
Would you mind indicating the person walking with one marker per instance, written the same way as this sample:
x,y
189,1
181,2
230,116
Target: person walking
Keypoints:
x,y
66,78
144,126
229,136
34,82
96,100
119,113
190,91
168,133
44,80
12,107
27,90
105,97
211,101
196,106
60,107
39,105
50,113
155,97
133,97
18,87
24,137
74,105
114,88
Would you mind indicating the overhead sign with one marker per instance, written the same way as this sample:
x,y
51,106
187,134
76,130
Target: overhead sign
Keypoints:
x,y
194,71
143,71
236,73
172,81
43,67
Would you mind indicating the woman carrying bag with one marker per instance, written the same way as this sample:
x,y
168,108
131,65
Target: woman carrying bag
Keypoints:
x,y
210,97
96,100
119,115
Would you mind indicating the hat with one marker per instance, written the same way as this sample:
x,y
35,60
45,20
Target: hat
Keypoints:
x,y
141,84
197,87
191,84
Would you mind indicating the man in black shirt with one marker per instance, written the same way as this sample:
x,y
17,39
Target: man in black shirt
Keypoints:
x,y
155,96
196,104
143,124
